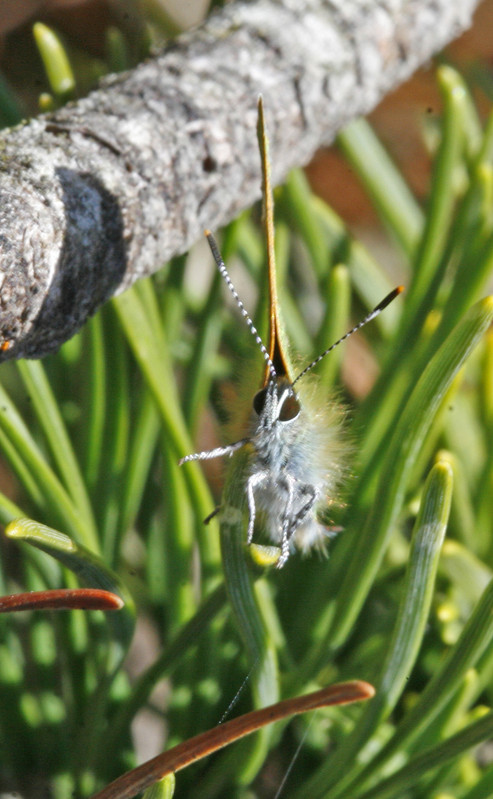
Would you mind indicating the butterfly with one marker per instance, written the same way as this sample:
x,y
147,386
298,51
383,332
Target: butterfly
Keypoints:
x,y
295,445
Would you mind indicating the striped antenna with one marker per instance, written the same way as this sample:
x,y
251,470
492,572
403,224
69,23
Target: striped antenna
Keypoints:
x,y
378,309
224,273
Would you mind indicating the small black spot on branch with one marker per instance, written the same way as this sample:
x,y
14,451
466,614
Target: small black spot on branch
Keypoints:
x,y
209,164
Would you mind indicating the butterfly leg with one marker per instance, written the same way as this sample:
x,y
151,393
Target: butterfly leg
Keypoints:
x,y
289,485
291,521
253,481
304,490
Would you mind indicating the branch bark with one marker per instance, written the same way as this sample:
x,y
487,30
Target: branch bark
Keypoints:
x,y
107,189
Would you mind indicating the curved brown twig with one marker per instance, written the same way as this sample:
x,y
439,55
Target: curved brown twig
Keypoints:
x,y
62,599
200,746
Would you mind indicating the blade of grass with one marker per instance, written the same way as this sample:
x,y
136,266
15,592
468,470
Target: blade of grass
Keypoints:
x,y
95,411
114,442
474,642
389,192
8,510
24,475
155,363
429,266
116,54
53,426
295,201
164,789
407,440
11,110
169,659
179,525
55,61
28,452
443,191
407,776
483,788
248,614
143,441
368,278
209,328
341,770
337,290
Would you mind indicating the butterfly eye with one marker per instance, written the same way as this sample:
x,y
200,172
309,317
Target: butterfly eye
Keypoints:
x,y
290,409
259,401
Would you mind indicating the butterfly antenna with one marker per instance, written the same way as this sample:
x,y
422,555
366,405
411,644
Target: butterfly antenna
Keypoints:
x,y
224,273
377,310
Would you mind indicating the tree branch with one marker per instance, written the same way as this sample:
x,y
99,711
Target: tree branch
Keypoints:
x,y
107,189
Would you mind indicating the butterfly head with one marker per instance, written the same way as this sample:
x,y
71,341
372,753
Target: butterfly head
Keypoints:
x,y
276,403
